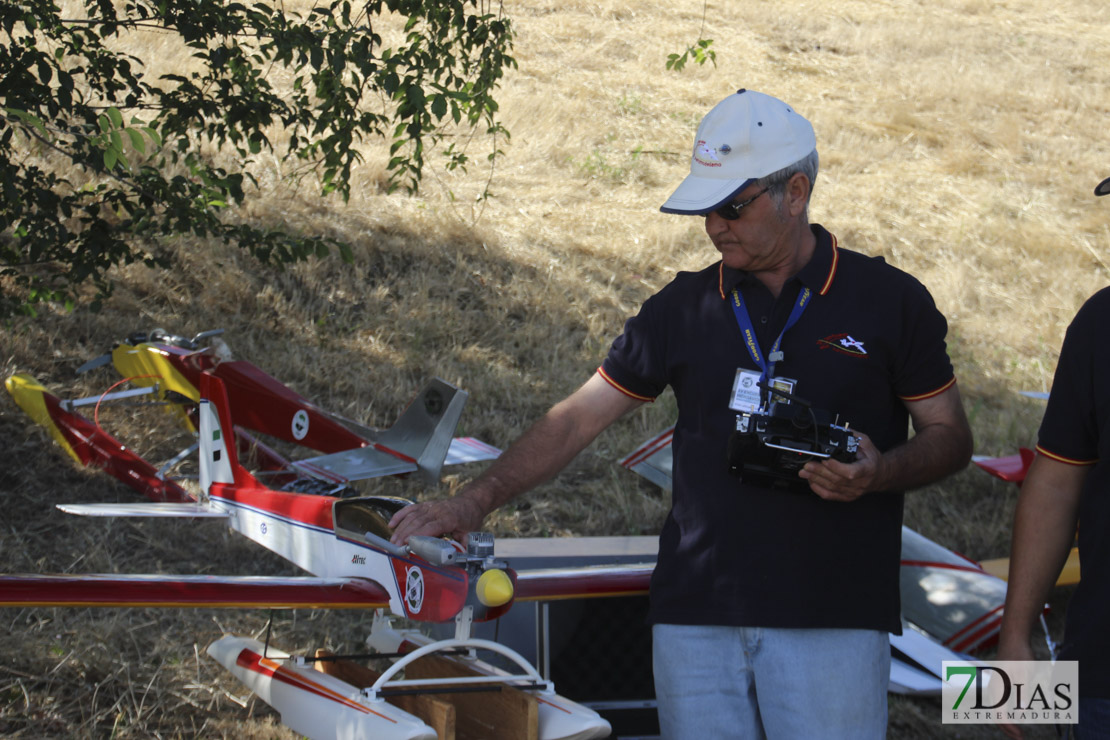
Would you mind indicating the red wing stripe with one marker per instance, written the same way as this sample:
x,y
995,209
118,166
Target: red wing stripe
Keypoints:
x,y
298,508
190,591
584,582
973,568
994,618
541,700
267,667
477,444
649,449
973,624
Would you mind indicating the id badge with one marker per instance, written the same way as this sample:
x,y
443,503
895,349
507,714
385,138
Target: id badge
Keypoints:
x,y
745,391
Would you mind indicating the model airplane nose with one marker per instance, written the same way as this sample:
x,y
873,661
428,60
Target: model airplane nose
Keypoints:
x,y
494,588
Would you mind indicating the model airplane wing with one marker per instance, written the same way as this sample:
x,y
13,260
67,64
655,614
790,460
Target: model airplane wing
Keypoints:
x,y
948,596
191,591
192,510
419,441
552,584
88,444
653,459
1010,468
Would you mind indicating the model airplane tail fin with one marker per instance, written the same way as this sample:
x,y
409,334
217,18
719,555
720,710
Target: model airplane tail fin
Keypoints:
x,y
425,428
219,461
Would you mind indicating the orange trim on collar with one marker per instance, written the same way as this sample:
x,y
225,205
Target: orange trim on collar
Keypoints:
x,y
1067,460
832,268
622,389
824,288
930,394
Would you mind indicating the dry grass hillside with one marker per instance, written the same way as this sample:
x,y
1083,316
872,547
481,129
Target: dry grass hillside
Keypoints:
x,y
959,139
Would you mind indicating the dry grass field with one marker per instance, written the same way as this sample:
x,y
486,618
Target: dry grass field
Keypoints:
x,y
959,139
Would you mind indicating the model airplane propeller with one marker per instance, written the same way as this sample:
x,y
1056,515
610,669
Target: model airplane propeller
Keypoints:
x,y
306,511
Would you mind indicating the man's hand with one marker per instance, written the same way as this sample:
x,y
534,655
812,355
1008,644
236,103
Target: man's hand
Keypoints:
x,y
454,516
941,445
834,480
1020,650
541,452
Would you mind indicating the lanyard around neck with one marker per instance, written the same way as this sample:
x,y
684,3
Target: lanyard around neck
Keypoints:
x,y
766,365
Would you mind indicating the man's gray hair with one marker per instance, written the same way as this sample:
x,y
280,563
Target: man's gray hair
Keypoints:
x,y
776,181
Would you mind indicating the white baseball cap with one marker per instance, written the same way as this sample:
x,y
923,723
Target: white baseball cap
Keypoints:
x,y
747,136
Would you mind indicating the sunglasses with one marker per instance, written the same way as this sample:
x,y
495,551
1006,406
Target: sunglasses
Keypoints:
x,y
731,211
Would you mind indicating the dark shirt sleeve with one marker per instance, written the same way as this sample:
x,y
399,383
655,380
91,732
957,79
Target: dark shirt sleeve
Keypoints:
x,y
921,365
636,362
1069,430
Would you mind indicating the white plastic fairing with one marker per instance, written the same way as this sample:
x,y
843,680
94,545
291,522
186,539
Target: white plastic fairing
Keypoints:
x,y
312,703
559,717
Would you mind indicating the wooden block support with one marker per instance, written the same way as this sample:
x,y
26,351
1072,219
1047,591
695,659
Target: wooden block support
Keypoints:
x,y
436,713
505,714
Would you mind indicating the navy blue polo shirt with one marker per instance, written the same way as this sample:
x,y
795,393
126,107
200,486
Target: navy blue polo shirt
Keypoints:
x,y
1076,430
733,553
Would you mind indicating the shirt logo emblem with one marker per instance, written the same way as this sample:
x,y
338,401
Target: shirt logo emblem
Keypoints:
x,y
843,343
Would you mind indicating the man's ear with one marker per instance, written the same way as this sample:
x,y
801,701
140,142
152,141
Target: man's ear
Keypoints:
x,y
797,193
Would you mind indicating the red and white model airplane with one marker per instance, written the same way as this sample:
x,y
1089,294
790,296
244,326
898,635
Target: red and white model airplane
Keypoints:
x,y
306,512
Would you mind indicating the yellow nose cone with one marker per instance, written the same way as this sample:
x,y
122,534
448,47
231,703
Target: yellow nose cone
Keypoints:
x,y
494,588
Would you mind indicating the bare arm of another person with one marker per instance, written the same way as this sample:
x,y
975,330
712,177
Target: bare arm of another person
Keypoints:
x,y
541,452
1044,528
941,445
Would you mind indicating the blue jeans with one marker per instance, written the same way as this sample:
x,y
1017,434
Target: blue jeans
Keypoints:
x,y
757,682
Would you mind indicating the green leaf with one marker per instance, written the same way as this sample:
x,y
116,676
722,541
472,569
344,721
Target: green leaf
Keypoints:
x,y
33,121
153,135
137,140
439,106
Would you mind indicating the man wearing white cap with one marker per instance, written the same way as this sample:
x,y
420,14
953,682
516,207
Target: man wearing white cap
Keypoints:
x,y
773,596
